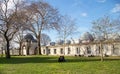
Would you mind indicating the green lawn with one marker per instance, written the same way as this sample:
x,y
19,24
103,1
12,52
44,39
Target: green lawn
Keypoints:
x,y
49,65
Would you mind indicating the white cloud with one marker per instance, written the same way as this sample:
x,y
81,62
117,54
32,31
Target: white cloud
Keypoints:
x,y
76,3
83,14
101,1
116,8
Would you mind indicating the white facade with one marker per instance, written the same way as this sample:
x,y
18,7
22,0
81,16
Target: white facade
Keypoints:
x,y
82,49
85,46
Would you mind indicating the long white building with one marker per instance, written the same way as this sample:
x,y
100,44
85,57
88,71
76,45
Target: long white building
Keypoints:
x,y
83,49
85,46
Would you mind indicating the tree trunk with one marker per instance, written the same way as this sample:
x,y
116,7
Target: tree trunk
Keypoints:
x,y
20,48
101,51
7,50
27,50
28,47
39,44
64,45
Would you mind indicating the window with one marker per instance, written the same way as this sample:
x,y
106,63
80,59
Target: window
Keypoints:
x,y
88,50
113,46
61,50
113,49
69,50
99,50
77,50
54,51
44,51
48,51
116,50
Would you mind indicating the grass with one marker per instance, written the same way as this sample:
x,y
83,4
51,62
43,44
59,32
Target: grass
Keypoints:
x,y
49,65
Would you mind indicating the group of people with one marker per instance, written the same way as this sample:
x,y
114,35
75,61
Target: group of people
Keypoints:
x,y
61,59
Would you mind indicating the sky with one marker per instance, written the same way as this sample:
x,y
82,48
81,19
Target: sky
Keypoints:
x,y
84,12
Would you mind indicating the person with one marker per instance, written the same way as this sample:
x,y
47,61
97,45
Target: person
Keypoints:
x,y
61,59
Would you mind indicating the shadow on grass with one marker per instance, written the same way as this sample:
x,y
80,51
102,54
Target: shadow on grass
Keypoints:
x,y
51,59
91,59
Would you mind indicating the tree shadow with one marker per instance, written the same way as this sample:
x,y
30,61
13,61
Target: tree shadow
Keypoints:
x,y
92,59
50,59
18,60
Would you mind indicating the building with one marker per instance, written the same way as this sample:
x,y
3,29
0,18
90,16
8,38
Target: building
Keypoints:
x,y
29,45
86,45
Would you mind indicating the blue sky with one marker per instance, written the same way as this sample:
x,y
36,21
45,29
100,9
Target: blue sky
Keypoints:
x,y
84,12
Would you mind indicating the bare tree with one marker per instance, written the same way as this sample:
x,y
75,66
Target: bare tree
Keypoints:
x,y
45,39
9,21
2,44
18,38
116,23
103,27
42,16
67,28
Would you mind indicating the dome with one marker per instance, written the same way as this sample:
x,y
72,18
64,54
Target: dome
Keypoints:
x,y
52,43
99,38
60,42
116,37
67,42
75,41
29,37
86,37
